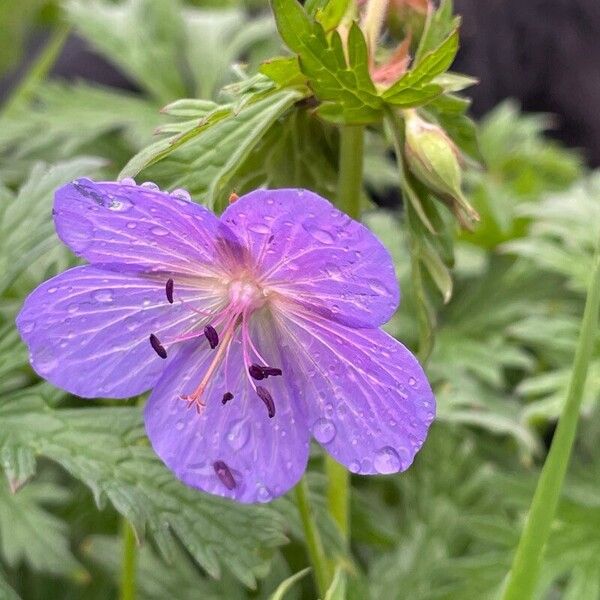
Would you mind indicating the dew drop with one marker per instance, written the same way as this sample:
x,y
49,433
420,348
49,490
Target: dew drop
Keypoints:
x,y
159,231
412,382
180,425
131,225
52,290
387,461
378,288
259,228
263,494
323,236
324,430
127,181
181,194
238,434
103,296
120,204
354,466
150,185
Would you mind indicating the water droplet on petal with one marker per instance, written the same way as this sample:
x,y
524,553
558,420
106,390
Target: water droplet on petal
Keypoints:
x,y
120,204
181,194
160,231
259,228
180,425
131,225
324,430
127,181
150,185
238,434
354,466
387,461
412,382
263,494
52,290
103,296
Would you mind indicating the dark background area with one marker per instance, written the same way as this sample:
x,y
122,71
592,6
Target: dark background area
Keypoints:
x,y
544,53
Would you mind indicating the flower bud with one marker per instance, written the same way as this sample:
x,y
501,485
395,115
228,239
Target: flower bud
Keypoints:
x,y
434,160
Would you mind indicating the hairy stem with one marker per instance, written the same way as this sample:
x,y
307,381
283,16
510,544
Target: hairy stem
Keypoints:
x,y
314,545
523,577
38,71
129,562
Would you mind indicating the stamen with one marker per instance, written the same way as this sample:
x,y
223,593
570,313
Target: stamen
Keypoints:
x,y
169,290
212,336
259,372
227,396
224,474
266,397
256,372
157,346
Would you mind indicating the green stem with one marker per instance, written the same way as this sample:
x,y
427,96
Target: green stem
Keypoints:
x,y
350,169
314,545
523,577
129,560
38,71
348,199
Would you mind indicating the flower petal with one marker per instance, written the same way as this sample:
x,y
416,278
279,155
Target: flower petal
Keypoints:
x,y
88,330
372,404
125,226
233,449
309,250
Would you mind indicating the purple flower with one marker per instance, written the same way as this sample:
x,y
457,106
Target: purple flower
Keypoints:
x,y
255,330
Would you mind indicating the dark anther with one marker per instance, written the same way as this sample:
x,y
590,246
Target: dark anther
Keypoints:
x,y
266,397
169,290
256,372
259,372
212,336
224,474
157,346
227,396
271,371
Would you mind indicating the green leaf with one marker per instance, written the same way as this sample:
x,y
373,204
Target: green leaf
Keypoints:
x,y
156,579
288,583
106,449
415,86
145,38
6,591
330,14
345,89
28,244
206,163
284,71
440,23
29,533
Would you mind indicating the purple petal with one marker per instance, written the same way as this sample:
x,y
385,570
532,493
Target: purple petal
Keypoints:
x,y
316,254
372,404
88,330
233,448
124,226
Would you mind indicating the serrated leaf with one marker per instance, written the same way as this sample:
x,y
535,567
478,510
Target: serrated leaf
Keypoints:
x,y
28,243
330,14
345,89
415,86
440,23
206,165
157,580
106,449
143,37
28,532
284,71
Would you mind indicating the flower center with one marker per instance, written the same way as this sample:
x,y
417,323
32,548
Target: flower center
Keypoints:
x,y
220,328
245,294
